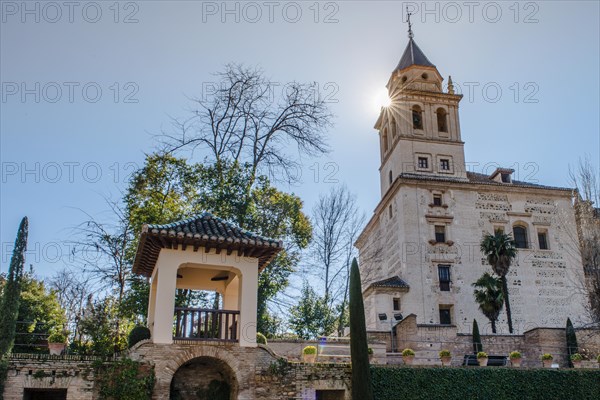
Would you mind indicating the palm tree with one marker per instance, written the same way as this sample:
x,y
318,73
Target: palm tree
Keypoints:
x,y
488,294
500,249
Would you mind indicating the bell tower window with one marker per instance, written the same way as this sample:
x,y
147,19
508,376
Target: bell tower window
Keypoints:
x,y
417,117
442,120
384,139
393,127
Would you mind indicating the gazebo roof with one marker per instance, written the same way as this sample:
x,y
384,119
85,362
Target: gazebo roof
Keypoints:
x,y
205,231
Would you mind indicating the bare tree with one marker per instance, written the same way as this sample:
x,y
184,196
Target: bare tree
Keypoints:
x,y
251,120
72,290
337,223
588,230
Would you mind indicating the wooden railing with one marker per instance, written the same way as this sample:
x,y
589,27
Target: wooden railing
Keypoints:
x,y
206,324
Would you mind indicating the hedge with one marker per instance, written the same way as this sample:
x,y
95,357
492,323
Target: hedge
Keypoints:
x,y
484,383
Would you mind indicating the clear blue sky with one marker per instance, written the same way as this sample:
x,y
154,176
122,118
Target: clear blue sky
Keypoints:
x,y
61,151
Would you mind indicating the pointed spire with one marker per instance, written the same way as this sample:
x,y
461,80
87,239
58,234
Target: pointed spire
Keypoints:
x,y
412,54
450,85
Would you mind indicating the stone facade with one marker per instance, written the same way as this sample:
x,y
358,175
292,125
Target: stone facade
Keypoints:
x,y
426,230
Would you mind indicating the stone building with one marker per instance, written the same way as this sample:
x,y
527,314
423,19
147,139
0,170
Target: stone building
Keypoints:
x,y
419,253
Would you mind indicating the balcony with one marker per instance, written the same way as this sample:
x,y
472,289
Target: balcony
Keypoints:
x,y
206,324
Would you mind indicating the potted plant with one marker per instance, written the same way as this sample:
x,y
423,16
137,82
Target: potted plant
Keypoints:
x,y
482,358
57,341
515,358
408,356
309,354
547,360
445,357
576,360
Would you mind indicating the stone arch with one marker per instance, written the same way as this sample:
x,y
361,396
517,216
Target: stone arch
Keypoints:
x,y
204,378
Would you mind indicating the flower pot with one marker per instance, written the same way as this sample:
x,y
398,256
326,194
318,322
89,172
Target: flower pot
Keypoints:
x,y
446,361
408,360
309,358
515,362
547,363
576,364
56,349
482,362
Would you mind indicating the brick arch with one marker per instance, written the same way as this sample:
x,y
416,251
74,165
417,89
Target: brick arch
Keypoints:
x,y
218,352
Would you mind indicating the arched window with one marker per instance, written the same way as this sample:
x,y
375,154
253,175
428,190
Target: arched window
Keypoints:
x,y
390,177
384,138
417,117
393,127
442,120
520,235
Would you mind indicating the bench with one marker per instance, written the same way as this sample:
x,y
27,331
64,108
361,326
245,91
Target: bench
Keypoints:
x,y
470,360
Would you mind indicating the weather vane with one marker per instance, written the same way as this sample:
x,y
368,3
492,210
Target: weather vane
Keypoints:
x,y
410,32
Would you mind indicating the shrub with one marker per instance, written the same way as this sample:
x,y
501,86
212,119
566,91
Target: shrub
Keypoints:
x,y
514,355
309,350
484,383
576,357
408,352
547,356
261,339
445,353
477,346
125,380
57,337
598,358
138,334
3,373
370,351
482,354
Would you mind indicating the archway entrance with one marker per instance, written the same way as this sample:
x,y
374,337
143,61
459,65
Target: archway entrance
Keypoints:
x,y
204,378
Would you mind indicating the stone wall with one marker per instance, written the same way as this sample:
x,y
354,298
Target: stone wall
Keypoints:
x,y
428,340
43,371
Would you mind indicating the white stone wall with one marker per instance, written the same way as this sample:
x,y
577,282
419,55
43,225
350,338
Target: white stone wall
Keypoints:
x,y
545,286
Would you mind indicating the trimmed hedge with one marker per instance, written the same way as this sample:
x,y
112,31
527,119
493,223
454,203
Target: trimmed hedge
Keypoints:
x,y
138,334
484,383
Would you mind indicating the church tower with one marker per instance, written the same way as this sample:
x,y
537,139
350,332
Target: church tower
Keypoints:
x,y
419,131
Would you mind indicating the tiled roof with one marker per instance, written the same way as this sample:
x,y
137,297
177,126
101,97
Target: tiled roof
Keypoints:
x,y
393,282
476,178
413,56
206,231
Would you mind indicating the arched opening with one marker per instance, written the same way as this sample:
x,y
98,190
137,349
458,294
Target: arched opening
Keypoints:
x,y
442,120
520,236
393,127
204,378
417,117
384,139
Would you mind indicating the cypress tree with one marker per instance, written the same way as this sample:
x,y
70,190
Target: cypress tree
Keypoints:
x,y
477,346
572,346
9,308
362,388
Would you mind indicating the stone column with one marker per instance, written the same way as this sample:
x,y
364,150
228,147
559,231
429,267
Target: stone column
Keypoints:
x,y
248,304
164,302
152,302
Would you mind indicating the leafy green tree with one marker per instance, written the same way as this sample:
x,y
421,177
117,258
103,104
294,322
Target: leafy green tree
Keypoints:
x,y
500,250
9,308
488,294
362,388
99,328
572,346
39,315
311,317
477,345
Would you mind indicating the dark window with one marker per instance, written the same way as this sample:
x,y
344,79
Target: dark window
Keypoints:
x,y
437,199
505,178
396,303
417,116
390,211
390,177
444,275
543,240
520,234
440,233
445,165
445,318
384,138
423,162
441,120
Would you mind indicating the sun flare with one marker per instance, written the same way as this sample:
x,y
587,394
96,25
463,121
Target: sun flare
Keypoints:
x,y
382,99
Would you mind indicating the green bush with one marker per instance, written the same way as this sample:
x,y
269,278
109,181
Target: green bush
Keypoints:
x,y
124,380
445,353
57,337
514,355
408,352
576,357
482,354
484,383
309,350
547,356
138,334
261,339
